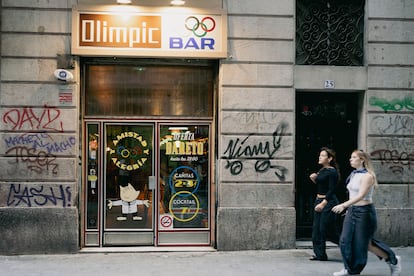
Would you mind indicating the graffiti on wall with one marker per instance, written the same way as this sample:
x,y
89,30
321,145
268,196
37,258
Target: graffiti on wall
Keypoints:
x,y
41,141
395,104
391,124
46,119
21,195
30,154
395,159
32,160
34,151
263,152
257,118
394,148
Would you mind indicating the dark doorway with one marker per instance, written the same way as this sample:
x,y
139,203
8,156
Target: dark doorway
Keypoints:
x,y
322,119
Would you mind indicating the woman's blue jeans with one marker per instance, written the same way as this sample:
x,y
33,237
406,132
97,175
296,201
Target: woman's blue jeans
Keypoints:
x,y
358,229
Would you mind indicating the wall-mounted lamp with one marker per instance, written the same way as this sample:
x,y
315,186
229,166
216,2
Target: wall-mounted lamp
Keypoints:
x,y
177,2
123,2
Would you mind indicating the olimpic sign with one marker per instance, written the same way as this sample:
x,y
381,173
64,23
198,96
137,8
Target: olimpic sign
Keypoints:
x,y
143,32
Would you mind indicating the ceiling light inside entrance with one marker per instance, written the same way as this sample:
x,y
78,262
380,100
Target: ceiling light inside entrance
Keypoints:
x,y
177,2
123,1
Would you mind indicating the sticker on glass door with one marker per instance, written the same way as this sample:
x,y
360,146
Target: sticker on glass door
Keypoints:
x,y
129,167
184,180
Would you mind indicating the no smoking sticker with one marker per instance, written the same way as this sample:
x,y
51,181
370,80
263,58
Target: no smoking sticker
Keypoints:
x,y
166,222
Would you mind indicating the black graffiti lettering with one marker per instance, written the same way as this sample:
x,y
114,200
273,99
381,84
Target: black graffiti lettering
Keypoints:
x,y
397,169
262,165
280,172
236,167
38,196
397,143
406,159
36,161
394,158
394,124
34,168
265,165
238,150
257,118
231,148
277,139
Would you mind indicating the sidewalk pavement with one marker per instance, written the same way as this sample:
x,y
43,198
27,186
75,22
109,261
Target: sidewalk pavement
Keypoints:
x,y
292,262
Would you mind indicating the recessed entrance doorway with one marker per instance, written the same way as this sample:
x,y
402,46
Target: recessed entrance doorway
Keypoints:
x,y
322,119
147,128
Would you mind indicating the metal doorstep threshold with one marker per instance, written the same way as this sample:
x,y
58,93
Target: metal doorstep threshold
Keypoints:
x,y
138,249
308,244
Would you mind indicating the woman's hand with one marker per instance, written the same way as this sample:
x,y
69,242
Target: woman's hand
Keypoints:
x,y
338,208
319,207
313,177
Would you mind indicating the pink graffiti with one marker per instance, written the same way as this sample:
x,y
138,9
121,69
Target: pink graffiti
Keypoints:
x,y
44,119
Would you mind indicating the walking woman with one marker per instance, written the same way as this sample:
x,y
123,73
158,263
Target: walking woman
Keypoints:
x,y
361,221
326,180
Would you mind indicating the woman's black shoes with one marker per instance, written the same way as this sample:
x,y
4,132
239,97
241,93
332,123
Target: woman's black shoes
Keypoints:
x,y
314,258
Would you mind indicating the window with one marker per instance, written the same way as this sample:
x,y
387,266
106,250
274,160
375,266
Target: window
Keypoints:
x,y
149,88
330,32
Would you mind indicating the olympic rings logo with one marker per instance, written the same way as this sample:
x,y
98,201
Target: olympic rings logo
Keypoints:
x,y
207,24
125,153
130,154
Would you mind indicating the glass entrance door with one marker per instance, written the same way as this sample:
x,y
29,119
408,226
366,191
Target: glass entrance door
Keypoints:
x,y
129,184
146,179
147,184
184,186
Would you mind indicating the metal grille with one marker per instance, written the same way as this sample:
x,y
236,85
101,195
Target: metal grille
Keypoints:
x,y
330,32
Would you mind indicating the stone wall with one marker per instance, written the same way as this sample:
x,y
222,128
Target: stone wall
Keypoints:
x,y
256,125
257,99
390,114
39,130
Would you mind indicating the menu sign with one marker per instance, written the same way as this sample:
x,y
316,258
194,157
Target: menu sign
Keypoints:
x,y
184,157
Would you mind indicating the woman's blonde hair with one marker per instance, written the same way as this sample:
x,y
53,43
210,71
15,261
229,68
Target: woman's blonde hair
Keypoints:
x,y
367,164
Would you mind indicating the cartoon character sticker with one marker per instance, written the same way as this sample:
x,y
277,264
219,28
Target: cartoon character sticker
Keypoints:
x,y
129,203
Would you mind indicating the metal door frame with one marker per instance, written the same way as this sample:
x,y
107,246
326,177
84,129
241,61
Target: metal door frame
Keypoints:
x,y
95,237
125,236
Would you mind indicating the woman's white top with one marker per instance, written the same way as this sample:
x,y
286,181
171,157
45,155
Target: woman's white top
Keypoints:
x,y
354,185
